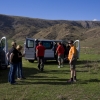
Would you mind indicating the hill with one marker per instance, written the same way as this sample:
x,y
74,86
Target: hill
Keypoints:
x,y
17,28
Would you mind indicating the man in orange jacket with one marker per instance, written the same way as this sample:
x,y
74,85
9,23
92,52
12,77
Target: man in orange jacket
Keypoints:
x,y
72,57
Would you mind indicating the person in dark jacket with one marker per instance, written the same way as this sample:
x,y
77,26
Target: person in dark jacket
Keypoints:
x,y
13,60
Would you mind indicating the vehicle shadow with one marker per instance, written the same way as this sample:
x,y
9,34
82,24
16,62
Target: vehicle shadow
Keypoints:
x,y
26,73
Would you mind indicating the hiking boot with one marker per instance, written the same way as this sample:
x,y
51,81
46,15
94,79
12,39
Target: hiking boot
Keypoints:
x,y
74,80
70,81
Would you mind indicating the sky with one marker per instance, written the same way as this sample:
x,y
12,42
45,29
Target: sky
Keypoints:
x,y
52,9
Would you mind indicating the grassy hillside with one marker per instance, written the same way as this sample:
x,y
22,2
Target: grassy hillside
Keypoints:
x,y
17,28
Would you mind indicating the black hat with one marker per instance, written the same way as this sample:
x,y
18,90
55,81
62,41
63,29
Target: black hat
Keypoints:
x,y
71,42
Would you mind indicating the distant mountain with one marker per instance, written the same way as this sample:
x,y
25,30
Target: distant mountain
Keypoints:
x,y
15,27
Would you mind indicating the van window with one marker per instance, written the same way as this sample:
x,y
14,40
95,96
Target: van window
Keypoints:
x,y
30,44
47,44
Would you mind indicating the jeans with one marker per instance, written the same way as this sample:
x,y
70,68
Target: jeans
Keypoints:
x,y
12,72
19,70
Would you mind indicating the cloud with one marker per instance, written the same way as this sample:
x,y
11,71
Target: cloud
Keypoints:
x,y
94,19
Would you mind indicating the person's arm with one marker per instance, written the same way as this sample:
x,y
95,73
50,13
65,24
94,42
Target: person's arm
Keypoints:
x,y
11,56
20,55
23,54
57,50
71,58
36,52
7,55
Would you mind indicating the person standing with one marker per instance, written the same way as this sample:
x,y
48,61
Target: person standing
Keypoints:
x,y
72,57
19,68
40,51
13,60
60,52
67,51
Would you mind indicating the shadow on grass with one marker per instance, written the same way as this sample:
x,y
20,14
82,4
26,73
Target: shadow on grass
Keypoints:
x,y
4,75
26,72
57,71
46,81
79,62
52,62
87,81
93,80
57,81
30,74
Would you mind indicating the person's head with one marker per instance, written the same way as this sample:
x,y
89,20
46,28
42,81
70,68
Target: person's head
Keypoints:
x,y
40,43
59,43
19,47
13,44
70,42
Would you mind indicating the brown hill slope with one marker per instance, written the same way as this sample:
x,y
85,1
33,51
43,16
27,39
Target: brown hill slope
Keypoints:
x,y
18,28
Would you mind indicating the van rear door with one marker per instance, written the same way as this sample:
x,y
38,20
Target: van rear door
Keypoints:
x,y
3,51
29,48
77,45
49,52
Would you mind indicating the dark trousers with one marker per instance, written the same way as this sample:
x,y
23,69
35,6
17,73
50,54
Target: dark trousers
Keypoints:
x,y
40,62
12,72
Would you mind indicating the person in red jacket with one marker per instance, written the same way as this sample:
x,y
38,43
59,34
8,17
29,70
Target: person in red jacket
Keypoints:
x,y
40,51
60,52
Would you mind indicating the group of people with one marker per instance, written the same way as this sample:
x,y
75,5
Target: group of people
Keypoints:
x,y
60,52
14,57
71,56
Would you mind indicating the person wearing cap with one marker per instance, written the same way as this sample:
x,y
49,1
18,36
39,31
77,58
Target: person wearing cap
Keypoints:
x,y
40,51
72,61
13,60
19,68
60,52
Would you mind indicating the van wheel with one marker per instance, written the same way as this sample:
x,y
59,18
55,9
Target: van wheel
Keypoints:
x,y
31,61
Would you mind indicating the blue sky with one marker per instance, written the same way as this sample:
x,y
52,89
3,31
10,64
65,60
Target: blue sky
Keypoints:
x,y
52,9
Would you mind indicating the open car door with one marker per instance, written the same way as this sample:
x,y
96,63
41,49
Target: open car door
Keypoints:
x,y
29,49
3,51
77,45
